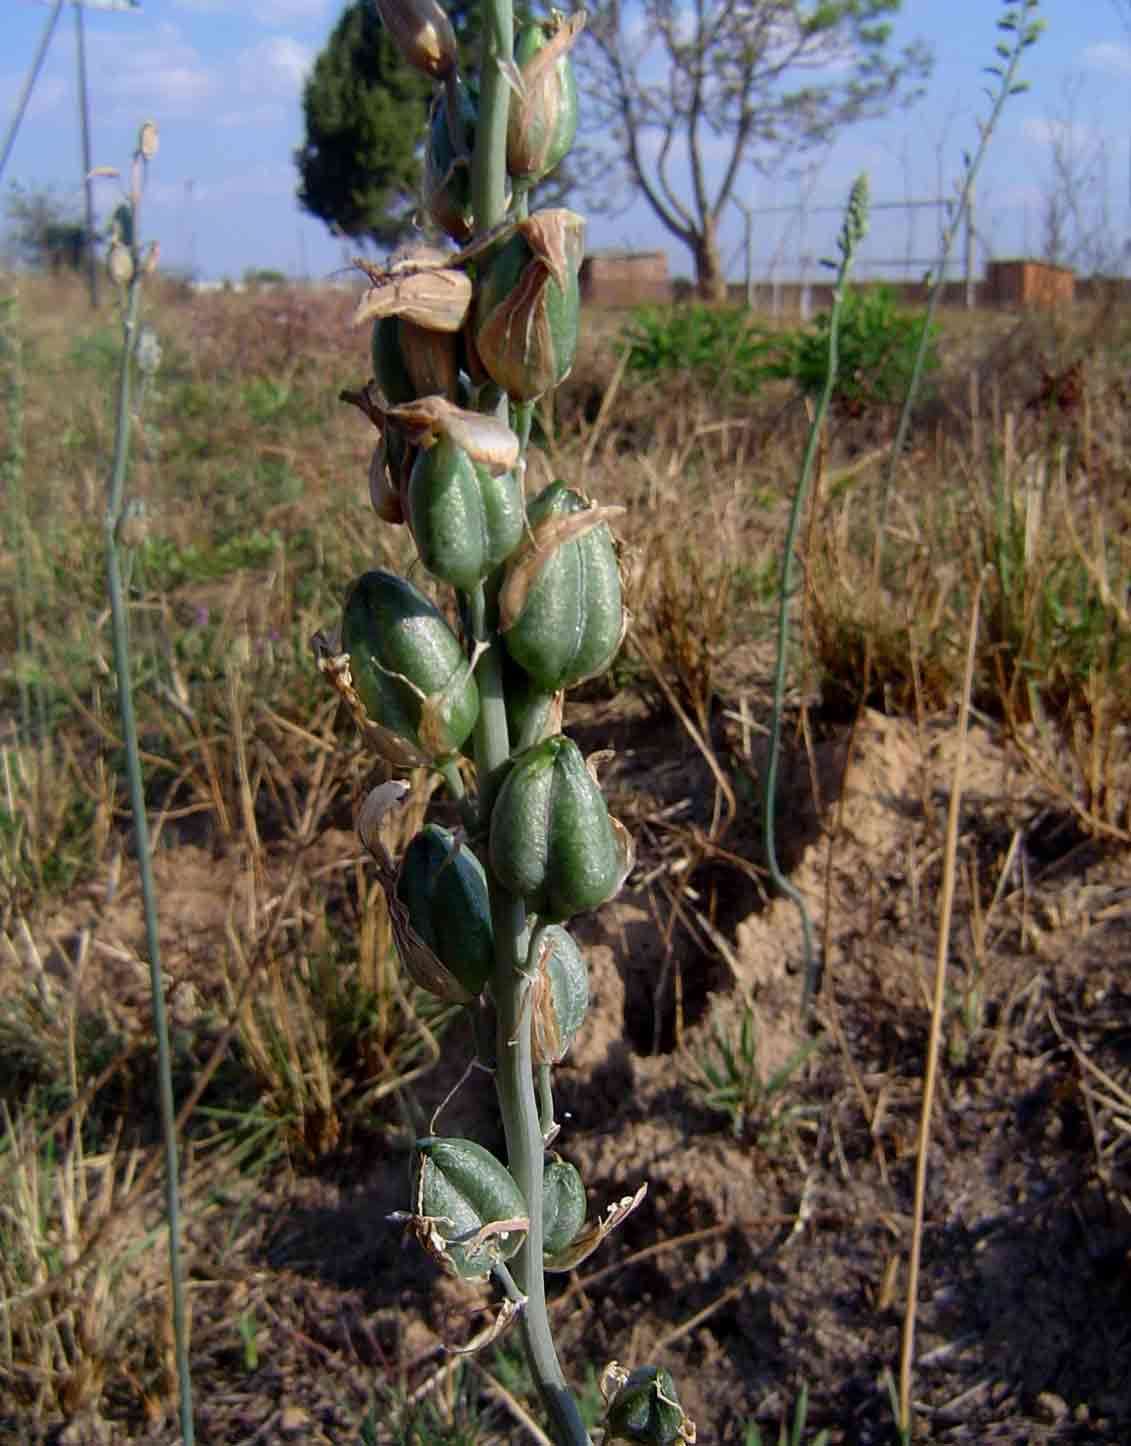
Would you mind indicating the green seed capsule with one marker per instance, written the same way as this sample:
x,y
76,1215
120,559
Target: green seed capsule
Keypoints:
x,y
466,520
563,1204
407,666
447,164
389,367
542,124
646,1410
529,304
468,1210
561,992
444,892
552,840
562,606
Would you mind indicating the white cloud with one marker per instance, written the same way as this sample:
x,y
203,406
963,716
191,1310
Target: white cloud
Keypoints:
x,y
265,182
288,12
255,117
1108,55
275,67
160,72
267,12
49,91
1046,131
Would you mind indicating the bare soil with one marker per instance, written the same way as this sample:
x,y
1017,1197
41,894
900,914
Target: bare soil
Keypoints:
x,y
773,1256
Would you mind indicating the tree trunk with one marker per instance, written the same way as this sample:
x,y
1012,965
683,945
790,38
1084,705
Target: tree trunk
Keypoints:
x,y
710,283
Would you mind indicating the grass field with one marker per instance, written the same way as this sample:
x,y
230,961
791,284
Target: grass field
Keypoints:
x,y
770,1254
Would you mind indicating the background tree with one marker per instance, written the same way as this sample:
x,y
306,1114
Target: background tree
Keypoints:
x,y
1077,228
365,111
694,92
43,228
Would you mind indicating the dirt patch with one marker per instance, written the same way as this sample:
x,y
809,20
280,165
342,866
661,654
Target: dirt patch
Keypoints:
x,y
770,1250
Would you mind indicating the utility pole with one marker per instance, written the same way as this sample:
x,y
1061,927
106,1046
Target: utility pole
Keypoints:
x,y
84,112
88,181
29,85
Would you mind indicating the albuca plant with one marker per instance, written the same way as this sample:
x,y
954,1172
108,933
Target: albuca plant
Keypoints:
x,y
464,343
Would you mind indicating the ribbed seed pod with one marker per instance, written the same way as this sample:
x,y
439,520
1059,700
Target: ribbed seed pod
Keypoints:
x,y
561,607
563,1204
646,1410
389,368
443,890
406,665
542,123
465,518
447,165
468,1211
529,303
561,992
552,840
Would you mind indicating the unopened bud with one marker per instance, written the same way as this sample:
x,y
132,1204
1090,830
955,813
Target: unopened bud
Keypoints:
x,y
422,32
147,141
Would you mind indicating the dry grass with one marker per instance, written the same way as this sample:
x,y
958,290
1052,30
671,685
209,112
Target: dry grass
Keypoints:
x,y
296,1034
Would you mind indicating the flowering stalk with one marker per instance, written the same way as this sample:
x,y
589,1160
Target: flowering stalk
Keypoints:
x,y
122,523
464,344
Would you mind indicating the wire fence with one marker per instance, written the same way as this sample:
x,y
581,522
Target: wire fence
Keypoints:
x,y
784,249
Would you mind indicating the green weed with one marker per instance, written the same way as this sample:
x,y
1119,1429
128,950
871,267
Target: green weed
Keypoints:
x,y
729,1080
720,346
877,344
791,1435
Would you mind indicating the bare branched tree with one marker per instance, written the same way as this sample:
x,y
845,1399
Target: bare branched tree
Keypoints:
x,y
1077,229
692,92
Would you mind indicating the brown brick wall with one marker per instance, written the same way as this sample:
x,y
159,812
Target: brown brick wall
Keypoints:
x,y
626,278
1028,283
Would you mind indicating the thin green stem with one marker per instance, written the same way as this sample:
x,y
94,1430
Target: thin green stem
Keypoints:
x,y
850,237
1026,34
120,633
12,473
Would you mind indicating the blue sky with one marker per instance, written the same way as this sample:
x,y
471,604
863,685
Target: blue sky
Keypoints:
x,y
223,81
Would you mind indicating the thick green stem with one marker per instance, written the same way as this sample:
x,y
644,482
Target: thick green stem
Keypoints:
x,y
514,1066
489,164
120,631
